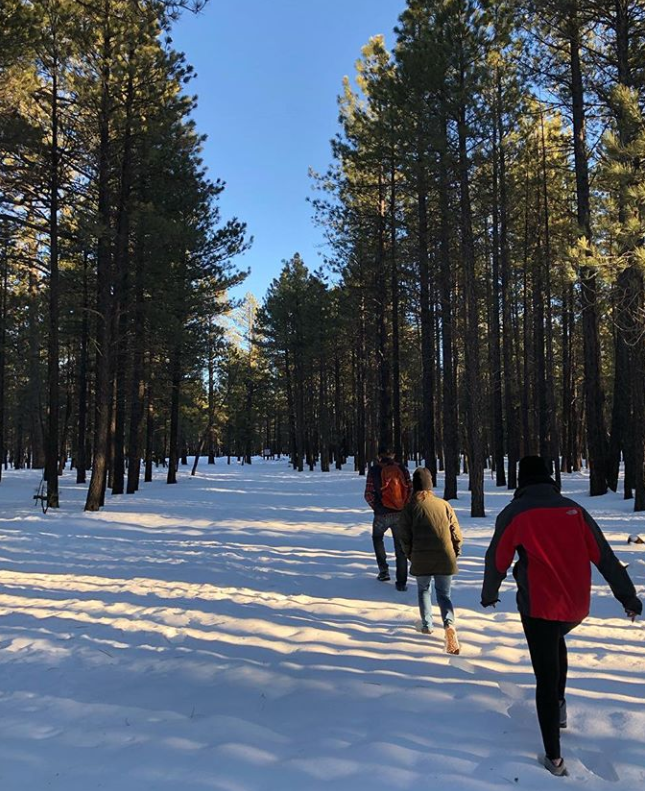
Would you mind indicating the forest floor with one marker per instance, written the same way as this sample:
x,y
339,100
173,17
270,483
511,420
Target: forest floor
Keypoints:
x,y
229,633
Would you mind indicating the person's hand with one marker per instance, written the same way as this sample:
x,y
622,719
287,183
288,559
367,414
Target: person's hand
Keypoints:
x,y
631,614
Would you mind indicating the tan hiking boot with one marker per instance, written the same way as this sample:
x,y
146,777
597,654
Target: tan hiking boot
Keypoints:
x,y
452,643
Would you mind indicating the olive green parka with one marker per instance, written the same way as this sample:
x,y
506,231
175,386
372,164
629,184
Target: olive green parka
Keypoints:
x,y
430,535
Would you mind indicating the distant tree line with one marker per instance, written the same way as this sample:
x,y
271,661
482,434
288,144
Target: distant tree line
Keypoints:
x,y
485,216
114,263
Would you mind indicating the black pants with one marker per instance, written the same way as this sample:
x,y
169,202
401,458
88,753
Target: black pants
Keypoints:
x,y
549,659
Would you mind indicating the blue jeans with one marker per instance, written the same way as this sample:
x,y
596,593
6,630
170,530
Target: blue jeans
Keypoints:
x,y
382,523
442,589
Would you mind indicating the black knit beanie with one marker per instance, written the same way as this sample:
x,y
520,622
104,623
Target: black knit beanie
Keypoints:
x,y
534,469
422,480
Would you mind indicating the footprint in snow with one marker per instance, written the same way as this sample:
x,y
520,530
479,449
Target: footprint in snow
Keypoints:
x,y
598,764
618,720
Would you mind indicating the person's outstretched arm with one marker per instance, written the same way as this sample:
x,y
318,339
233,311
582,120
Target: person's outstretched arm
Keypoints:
x,y
455,530
603,557
499,557
404,532
370,494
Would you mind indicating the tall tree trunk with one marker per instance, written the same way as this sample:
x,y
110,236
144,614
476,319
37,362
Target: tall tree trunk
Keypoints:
x,y
449,413
550,426
338,453
396,350
53,353
211,395
594,397
496,351
137,392
4,276
96,491
509,348
64,434
428,450
568,422
323,415
150,434
539,361
291,409
380,288
360,354
122,267
632,279
173,455
472,362
81,437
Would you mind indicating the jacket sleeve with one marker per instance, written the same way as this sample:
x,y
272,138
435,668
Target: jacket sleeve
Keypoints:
x,y
499,557
455,530
404,531
603,557
408,481
370,494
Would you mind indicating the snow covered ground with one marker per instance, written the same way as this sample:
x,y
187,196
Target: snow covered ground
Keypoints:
x,y
228,633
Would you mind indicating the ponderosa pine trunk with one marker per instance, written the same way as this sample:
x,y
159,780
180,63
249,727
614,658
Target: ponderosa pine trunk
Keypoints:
x,y
593,392
81,434
96,490
551,412
53,352
150,434
396,346
137,382
496,352
380,289
471,356
509,348
449,412
4,276
428,450
175,388
122,296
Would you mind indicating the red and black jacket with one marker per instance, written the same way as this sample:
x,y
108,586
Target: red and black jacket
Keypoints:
x,y
556,541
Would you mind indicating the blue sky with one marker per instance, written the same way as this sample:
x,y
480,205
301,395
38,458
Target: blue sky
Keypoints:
x,y
269,72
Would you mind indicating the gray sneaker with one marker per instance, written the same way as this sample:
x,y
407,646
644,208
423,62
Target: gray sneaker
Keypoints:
x,y
559,770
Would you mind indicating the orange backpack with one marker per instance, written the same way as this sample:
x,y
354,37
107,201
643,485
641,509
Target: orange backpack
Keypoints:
x,y
394,490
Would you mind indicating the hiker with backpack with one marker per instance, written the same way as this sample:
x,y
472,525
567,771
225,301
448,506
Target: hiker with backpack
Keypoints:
x,y
431,539
556,541
387,489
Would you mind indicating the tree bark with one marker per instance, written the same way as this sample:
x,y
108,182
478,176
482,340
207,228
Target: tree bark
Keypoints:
x,y
96,491
173,451
53,352
472,362
428,449
449,414
496,352
122,267
81,437
593,392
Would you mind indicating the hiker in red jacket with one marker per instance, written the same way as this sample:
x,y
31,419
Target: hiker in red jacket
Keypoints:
x,y
387,489
556,541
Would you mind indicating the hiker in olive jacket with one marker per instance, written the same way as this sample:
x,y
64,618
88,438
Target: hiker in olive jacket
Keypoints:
x,y
431,539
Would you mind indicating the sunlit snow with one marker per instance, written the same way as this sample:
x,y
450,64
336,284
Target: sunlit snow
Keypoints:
x,y
228,633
